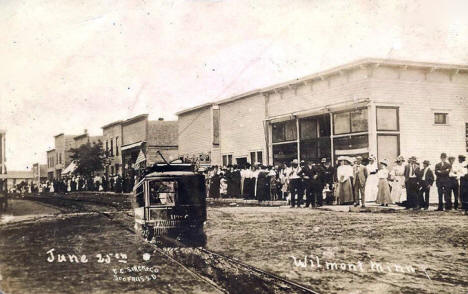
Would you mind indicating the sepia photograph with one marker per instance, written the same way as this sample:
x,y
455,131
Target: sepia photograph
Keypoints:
x,y
234,146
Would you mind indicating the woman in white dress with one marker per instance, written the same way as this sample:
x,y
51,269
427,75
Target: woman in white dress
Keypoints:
x,y
372,181
344,174
383,192
397,176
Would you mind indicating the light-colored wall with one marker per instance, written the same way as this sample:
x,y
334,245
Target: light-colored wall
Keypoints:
x,y
195,132
241,127
337,88
419,94
134,132
111,133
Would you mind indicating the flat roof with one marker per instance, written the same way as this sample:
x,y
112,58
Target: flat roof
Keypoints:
x,y
196,108
335,70
112,124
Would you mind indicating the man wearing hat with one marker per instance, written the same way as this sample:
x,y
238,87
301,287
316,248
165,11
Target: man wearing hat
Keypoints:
x,y
411,183
359,182
326,176
295,182
427,179
442,171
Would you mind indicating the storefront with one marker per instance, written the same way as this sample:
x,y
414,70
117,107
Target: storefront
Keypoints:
x,y
345,132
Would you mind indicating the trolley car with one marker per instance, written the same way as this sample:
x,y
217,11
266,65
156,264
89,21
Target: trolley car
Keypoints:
x,y
170,204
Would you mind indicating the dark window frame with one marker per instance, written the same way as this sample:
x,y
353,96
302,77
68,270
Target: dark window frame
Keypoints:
x,y
350,121
445,116
397,117
284,123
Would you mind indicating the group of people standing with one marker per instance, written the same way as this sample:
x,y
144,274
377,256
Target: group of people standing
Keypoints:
x,y
280,182
78,183
355,181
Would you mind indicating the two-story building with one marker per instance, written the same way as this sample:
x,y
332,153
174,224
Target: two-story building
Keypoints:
x,y
51,164
63,145
372,106
112,143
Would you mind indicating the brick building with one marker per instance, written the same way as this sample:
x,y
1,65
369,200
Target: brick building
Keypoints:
x,y
148,137
86,138
63,145
372,106
137,136
112,143
51,164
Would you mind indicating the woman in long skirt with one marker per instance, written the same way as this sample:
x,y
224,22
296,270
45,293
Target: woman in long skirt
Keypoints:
x,y
344,175
397,176
372,181
383,192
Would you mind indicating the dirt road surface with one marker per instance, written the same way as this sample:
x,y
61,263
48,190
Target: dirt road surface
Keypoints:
x,y
27,267
328,251
388,245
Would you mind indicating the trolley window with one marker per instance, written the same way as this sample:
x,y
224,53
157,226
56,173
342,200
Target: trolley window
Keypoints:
x,y
162,192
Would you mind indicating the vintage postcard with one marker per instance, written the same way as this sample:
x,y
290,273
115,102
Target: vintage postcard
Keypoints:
x,y
218,146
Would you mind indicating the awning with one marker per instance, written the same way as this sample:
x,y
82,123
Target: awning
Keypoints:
x,y
70,168
133,145
328,108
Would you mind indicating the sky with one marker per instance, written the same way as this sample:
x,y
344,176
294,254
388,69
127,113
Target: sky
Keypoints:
x,y
66,66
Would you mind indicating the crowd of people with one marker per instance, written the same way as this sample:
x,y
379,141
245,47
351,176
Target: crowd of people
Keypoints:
x,y
115,184
354,181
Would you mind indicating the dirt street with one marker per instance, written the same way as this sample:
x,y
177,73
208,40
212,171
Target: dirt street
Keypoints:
x,y
328,251
30,252
405,252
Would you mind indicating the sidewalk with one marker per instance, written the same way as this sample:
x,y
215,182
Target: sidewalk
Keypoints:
x,y
241,201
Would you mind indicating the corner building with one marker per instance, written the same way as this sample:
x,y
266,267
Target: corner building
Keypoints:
x,y
372,106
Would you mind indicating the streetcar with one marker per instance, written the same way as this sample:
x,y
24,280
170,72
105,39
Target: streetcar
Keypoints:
x,y
170,204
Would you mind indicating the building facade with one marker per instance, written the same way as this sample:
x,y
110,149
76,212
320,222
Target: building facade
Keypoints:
x,y
63,145
112,144
40,174
15,178
373,106
138,140
198,134
51,164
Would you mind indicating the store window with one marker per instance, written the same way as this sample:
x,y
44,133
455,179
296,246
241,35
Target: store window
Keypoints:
x,y
440,118
350,122
112,147
116,146
252,157
308,128
387,119
227,160
351,145
284,153
284,131
260,157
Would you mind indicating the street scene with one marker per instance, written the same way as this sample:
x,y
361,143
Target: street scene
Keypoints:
x,y
234,147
